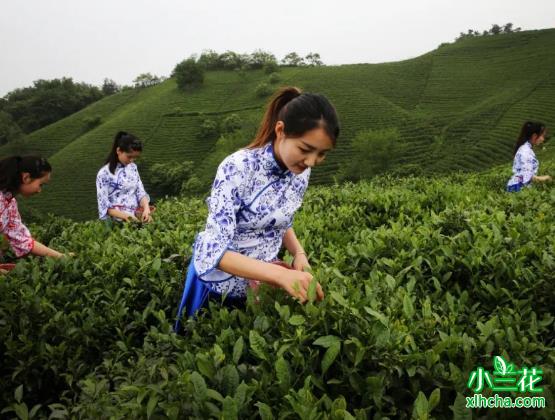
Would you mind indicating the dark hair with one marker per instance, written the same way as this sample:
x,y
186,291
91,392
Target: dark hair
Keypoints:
x,y
527,131
12,167
300,112
126,142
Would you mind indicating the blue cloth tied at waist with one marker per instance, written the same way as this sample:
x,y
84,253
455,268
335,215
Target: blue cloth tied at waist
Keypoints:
x,y
515,187
194,296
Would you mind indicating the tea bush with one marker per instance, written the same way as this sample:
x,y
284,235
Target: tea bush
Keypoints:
x,y
425,280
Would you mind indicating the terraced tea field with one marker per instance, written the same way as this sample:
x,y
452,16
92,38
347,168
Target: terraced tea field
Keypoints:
x,y
458,107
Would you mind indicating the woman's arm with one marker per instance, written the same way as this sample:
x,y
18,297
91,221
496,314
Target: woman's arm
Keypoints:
x,y
541,178
294,282
292,244
43,251
121,215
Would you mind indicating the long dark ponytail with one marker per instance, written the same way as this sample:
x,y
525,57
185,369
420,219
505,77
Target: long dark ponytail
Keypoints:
x,y
300,112
126,142
527,131
12,167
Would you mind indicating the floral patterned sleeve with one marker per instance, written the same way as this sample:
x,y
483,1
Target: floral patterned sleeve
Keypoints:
x,y
140,192
223,204
102,189
16,232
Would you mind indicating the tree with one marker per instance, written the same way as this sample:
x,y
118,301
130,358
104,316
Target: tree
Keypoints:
x,y
210,60
189,73
292,60
9,130
48,101
258,59
495,29
313,59
508,28
109,87
231,60
146,80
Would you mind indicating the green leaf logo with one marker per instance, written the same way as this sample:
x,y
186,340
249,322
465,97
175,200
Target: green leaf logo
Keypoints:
x,y
499,365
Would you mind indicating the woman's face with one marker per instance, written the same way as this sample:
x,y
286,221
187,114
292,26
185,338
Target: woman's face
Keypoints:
x,y
30,186
536,139
299,153
126,158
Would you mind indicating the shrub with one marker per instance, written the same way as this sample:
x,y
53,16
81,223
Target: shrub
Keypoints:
x,y
263,89
189,73
167,178
231,123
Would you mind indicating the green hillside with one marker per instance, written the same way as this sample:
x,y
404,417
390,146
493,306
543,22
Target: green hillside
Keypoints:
x,y
458,107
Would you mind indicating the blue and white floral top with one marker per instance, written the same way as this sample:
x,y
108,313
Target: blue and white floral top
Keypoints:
x,y
525,166
122,191
252,204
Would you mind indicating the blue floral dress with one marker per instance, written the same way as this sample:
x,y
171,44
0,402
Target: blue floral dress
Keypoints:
x,y
251,206
122,190
525,167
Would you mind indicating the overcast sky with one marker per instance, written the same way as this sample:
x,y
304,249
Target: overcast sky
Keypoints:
x,y
89,40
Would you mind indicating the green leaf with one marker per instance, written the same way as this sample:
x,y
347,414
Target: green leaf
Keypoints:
x,y
378,315
283,373
156,264
34,410
326,341
199,384
339,299
18,394
152,401
408,308
330,356
264,411
311,293
230,379
297,320
229,409
460,412
434,399
215,395
258,345
420,409
238,350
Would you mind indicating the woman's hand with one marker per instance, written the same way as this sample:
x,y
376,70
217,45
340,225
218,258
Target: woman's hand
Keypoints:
x,y
296,283
300,262
145,216
131,218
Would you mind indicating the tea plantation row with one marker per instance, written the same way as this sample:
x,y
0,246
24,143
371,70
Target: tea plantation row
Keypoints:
x,y
425,280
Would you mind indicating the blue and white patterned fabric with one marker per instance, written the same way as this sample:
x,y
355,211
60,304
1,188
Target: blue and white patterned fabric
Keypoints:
x,y
252,204
525,166
122,191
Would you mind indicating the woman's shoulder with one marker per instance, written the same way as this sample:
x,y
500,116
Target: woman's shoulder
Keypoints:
x,y
104,170
238,160
525,150
7,200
